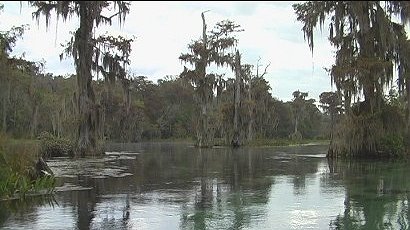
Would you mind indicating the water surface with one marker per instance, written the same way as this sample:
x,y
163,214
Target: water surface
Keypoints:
x,y
176,186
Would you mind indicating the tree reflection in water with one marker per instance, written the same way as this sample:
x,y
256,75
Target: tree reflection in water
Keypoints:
x,y
179,186
377,194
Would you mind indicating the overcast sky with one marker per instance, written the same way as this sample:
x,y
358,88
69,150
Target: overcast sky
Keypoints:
x,y
164,29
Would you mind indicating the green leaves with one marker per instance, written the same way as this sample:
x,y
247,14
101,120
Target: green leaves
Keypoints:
x,y
52,146
9,38
111,56
331,102
18,186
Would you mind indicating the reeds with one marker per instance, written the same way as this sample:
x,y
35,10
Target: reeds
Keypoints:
x,y
17,160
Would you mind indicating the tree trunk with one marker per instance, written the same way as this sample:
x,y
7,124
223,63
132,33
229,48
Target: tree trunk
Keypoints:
x,y
204,134
296,123
332,124
236,135
34,121
102,126
250,124
60,123
64,116
6,101
54,123
348,99
367,51
369,97
127,95
408,113
86,99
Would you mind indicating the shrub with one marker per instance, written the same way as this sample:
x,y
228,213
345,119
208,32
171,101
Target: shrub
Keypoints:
x,y
392,145
52,146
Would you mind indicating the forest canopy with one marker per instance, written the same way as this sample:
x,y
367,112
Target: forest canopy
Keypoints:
x,y
103,101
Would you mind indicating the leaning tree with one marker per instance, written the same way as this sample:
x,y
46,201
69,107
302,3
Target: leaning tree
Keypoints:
x,y
105,54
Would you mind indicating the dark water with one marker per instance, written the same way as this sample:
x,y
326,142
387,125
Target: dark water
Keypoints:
x,y
175,186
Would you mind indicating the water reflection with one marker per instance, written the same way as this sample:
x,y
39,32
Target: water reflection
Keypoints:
x,y
24,211
176,186
377,195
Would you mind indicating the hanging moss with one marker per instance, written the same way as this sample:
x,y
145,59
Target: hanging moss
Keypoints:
x,y
370,135
370,45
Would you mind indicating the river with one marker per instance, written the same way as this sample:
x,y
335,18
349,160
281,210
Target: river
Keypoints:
x,y
177,186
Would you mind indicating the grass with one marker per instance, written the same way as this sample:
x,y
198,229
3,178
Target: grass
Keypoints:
x,y
17,161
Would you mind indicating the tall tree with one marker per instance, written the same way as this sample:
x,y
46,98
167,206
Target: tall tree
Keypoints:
x,y
236,142
212,48
366,38
332,105
8,40
298,106
84,49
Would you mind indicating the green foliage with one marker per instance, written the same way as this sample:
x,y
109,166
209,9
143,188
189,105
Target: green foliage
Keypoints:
x,y
16,164
52,146
16,185
17,155
331,102
392,145
370,44
215,47
296,136
106,54
131,108
370,135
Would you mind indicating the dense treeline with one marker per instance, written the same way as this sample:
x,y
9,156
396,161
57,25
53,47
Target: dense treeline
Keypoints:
x,y
33,102
140,109
103,102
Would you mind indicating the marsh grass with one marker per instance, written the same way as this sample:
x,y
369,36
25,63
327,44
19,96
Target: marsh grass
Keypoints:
x,y
17,160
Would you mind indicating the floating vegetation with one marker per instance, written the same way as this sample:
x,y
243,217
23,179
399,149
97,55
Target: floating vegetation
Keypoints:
x,y
97,168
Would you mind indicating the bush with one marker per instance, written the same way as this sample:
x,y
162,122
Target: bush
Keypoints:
x,y
392,145
52,146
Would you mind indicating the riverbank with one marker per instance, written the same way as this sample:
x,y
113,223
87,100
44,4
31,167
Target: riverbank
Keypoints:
x,y
17,168
287,142
253,143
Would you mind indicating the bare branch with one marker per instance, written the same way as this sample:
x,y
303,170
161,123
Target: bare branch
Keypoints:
x,y
266,68
108,19
257,68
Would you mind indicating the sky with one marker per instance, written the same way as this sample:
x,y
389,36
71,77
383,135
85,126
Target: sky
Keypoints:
x,y
163,31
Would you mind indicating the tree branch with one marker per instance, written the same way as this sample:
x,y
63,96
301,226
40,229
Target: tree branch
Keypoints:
x,y
257,68
265,71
